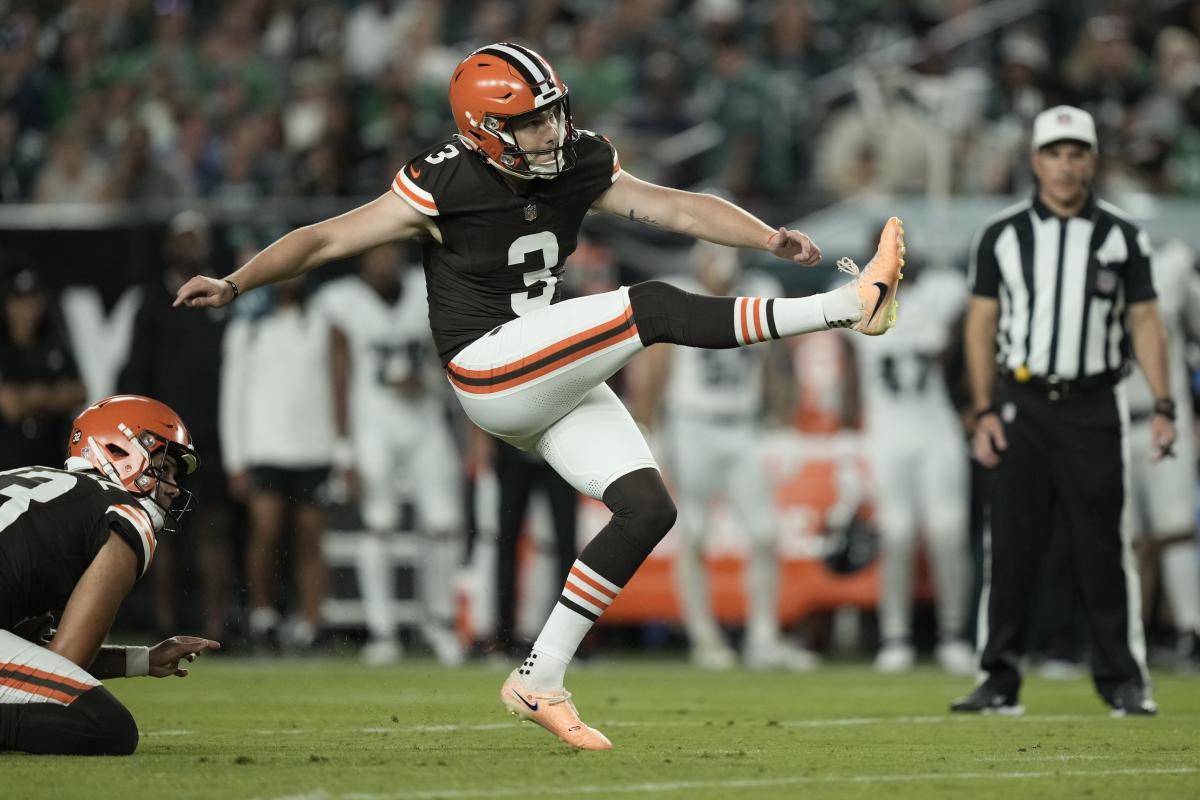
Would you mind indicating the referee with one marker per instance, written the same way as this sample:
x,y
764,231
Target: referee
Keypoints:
x,y
1062,297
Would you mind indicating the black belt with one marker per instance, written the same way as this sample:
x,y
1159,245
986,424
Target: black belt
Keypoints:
x,y
1057,388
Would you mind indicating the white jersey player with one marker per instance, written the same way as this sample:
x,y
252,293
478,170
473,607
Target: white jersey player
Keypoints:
x,y
1164,492
401,442
919,460
712,403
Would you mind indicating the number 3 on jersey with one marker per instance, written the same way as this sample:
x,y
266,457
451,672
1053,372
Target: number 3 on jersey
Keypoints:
x,y
540,281
436,158
20,488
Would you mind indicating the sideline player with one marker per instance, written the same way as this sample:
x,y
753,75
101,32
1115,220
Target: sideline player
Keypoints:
x,y
498,207
1164,491
918,455
72,544
386,377
712,401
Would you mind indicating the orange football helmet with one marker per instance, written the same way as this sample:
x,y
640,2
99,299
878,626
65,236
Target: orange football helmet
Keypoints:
x,y
495,87
127,439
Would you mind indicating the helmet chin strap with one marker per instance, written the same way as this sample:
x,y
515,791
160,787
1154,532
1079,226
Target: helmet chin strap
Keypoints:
x,y
154,510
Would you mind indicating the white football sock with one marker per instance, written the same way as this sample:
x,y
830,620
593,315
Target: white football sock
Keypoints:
x,y
376,586
691,580
439,552
951,565
545,667
761,581
841,306
585,596
896,544
1181,581
793,316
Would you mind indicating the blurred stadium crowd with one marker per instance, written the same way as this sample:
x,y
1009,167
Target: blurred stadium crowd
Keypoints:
x,y
161,107
141,101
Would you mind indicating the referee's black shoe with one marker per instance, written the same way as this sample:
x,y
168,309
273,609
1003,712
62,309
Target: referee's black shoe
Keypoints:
x,y
987,700
1129,699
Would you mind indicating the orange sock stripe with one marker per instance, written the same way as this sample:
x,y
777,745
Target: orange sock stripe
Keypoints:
x,y
758,320
582,578
745,327
583,596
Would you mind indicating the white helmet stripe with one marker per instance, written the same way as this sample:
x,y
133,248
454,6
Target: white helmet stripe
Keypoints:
x,y
535,69
536,58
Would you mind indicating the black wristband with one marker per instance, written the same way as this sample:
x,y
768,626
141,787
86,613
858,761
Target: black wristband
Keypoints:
x,y
984,412
1165,408
234,286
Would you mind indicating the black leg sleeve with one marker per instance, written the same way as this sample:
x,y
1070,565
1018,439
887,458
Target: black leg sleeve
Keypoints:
x,y
665,313
96,724
515,475
643,512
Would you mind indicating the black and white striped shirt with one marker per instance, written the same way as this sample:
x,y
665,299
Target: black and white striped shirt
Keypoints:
x,y
1064,286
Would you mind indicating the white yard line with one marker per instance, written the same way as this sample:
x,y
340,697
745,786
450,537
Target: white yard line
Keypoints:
x,y
1049,757
747,783
840,722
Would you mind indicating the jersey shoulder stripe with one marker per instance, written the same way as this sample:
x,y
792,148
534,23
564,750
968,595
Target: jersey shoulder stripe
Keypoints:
x,y
413,194
135,527
588,141
423,182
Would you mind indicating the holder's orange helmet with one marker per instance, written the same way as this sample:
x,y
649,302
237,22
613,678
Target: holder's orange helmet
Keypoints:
x,y
495,87
126,438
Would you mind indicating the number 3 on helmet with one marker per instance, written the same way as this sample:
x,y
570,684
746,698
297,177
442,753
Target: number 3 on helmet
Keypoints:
x,y
127,439
493,89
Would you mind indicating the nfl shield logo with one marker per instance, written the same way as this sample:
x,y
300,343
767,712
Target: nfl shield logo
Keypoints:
x,y
530,212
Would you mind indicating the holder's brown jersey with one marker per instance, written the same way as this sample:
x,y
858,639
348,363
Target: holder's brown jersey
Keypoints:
x,y
503,246
52,524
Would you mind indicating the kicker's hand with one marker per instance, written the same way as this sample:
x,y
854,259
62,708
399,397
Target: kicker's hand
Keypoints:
x,y
203,292
166,655
794,246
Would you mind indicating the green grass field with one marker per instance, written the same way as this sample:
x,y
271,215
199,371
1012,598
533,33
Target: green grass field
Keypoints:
x,y
332,729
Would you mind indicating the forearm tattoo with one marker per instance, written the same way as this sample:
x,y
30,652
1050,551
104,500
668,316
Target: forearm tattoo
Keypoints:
x,y
643,220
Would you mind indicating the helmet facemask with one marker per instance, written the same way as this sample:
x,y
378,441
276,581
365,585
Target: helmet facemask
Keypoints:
x,y
525,164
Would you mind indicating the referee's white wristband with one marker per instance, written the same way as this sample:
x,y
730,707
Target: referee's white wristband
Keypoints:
x,y
137,662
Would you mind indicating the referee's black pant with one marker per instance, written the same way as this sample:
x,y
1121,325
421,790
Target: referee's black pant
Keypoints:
x,y
1065,459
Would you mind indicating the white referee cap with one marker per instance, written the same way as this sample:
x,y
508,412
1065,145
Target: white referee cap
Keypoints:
x,y
1063,122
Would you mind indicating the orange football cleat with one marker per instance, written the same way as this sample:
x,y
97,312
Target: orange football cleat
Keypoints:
x,y
877,282
554,711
